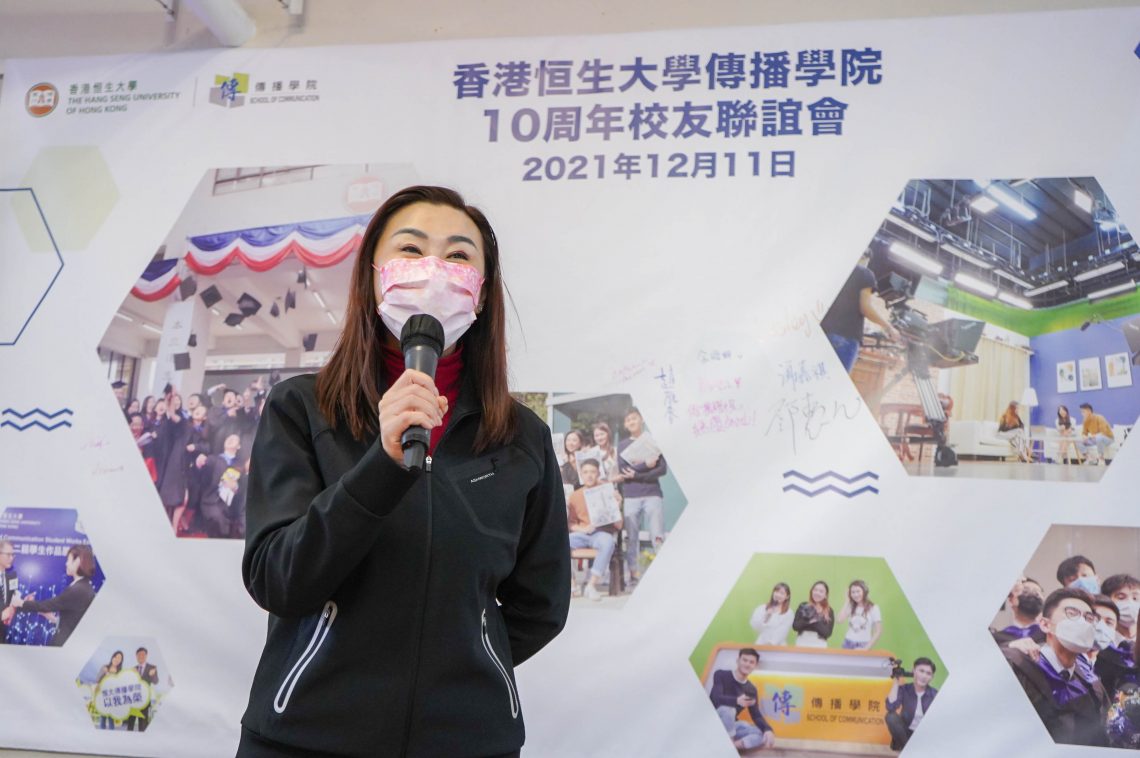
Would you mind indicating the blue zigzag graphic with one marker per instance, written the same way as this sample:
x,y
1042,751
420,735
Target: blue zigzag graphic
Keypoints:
x,y
831,488
834,474
30,424
40,411
830,475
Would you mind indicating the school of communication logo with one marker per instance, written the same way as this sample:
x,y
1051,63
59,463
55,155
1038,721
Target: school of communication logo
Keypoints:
x,y
41,99
229,91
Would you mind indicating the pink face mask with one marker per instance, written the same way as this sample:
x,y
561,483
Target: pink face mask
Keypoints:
x,y
431,285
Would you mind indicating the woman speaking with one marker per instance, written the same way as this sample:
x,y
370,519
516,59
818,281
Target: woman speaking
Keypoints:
x,y
401,600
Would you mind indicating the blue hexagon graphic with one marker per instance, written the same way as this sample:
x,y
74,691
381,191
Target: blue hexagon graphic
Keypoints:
x,y
29,272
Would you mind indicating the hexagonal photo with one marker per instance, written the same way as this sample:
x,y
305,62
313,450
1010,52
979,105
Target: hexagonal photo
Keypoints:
x,y
1067,629
123,683
622,499
814,654
248,288
49,575
991,326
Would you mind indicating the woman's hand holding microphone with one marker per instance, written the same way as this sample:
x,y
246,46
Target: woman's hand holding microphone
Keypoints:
x,y
412,400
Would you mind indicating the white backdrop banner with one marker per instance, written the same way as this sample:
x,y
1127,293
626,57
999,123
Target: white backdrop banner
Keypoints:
x,y
677,212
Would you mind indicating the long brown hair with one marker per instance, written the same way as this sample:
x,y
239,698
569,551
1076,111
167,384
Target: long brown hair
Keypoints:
x,y
827,594
787,597
1010,418
350,385
867,604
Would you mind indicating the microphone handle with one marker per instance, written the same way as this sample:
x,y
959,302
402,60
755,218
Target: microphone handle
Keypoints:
x,y
416,439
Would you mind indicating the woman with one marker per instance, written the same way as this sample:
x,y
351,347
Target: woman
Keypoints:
x,y
1010,427
401,600
113,666
865,619
1068,432
814,619
604,441
172,438
773,620
72,603
572,443
148,411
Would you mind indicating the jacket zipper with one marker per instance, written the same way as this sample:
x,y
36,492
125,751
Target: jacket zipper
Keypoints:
x,y
427,581
324,623
511,694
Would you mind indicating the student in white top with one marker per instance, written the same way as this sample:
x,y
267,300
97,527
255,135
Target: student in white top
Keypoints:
x,y
865,620
773,620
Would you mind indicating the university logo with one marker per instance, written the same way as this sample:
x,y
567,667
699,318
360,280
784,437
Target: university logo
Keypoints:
x,y
229,91
41,99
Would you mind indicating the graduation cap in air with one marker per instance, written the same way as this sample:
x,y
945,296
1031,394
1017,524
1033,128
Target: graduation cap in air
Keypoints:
x,y
210,296
248,304
310,342
167,389
303,278
187,287
274,311
290,300
234,319
181,361
193,341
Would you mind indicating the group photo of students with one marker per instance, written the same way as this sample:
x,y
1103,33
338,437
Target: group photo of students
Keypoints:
x,y
791,618
248,287
197,452
621,497
1068,631
992,323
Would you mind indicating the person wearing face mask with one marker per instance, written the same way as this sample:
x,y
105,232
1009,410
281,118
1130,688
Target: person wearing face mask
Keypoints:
x,y
1025,601
907,704
1124,590
1078,571
400,600
1061,685
1113,665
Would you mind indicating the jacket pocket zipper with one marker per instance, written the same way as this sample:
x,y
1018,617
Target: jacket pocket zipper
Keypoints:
x,y
324,623
514,698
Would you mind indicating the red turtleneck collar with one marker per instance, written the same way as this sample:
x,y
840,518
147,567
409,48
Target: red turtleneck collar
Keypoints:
x,y
448,378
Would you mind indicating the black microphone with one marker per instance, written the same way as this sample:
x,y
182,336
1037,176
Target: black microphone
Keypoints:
x,y
421,341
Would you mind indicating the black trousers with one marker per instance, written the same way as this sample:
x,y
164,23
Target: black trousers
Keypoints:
x,y
900,731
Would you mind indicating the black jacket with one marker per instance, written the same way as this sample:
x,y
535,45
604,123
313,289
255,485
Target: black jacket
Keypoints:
x,y
400,602
70,604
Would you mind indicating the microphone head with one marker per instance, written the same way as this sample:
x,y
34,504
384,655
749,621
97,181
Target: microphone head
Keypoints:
x,y
422,330
1084,326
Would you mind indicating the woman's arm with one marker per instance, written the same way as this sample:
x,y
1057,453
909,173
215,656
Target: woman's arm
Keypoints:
x,y
760,618
69,600
844,613
876,631
805,616
535,597
825,624
303,538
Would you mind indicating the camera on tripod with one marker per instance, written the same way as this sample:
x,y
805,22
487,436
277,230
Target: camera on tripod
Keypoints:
x,y
945,344
898,670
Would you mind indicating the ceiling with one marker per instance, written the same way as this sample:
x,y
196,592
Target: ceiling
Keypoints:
x,y
1038,232
261,333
